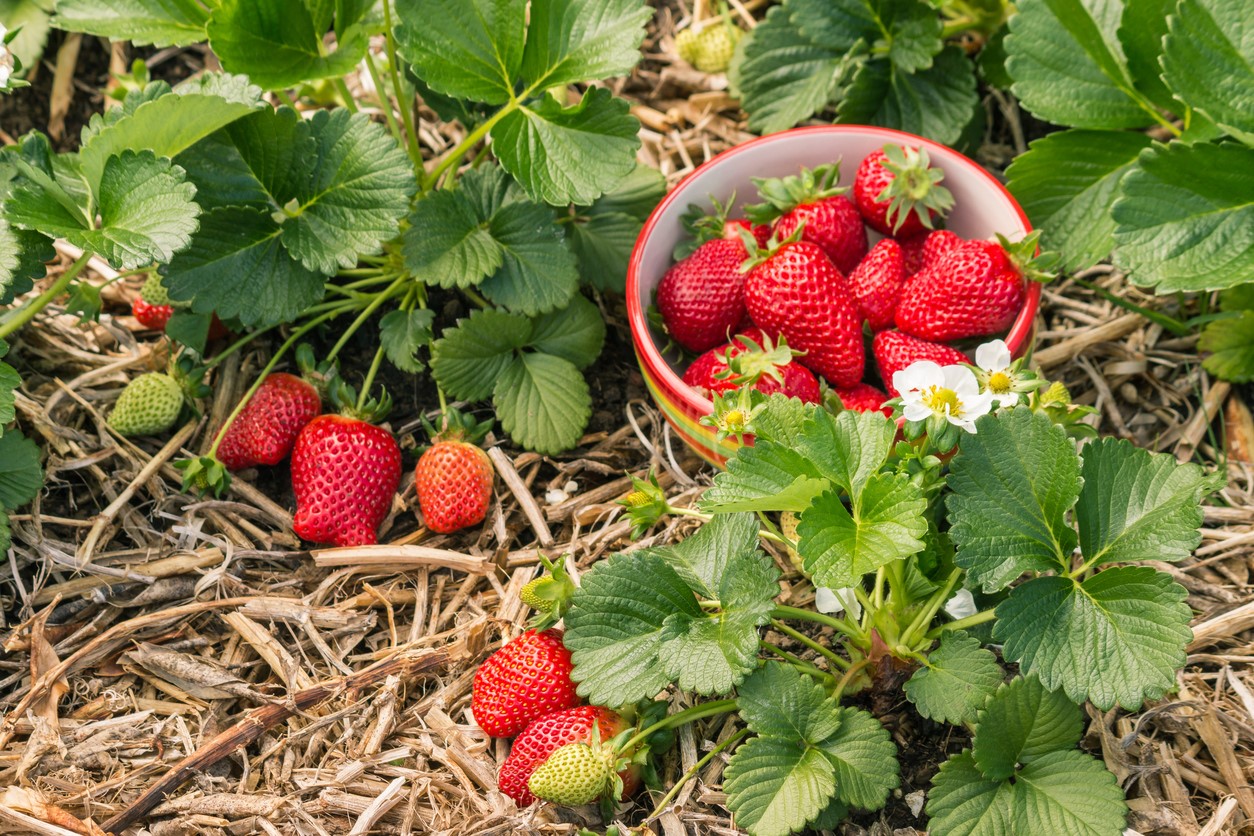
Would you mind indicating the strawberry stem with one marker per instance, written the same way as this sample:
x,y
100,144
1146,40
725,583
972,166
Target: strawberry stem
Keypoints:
x,y
798,614
688,715
366,313
798,636
696,767
369,381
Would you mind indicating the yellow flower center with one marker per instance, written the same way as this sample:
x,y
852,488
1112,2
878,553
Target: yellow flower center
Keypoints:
x,y
637,499
1000,383
937,398
734,420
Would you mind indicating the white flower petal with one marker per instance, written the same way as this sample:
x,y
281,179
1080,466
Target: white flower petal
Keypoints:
x,y
993,356
915,411
918,375
962,604
1007,399
976,405
827,600
962,380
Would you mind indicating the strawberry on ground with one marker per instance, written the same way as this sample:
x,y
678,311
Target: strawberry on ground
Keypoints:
x,y
796,292
152,306
577,773
454,476
526,679
752,358
864,398
894,351
345,472
812,202
898,192
976,288
148,405
549,733
876,284
701,298
267,427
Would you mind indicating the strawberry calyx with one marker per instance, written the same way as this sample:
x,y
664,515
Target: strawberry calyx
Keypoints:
x,y
780,195
455,425
1035,266
747,367
317,374
343,397
549,595
646,504
703,225
757,254
915,187
204,475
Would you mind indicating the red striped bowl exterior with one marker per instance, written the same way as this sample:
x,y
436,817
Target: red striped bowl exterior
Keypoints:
x,y
983,207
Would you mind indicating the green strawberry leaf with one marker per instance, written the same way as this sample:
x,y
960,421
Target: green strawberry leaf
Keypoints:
x,y
775,786
1118,637
189,328
6,535
884,523
576,333
602,245
778,701
1067,183
468,359
10,380
278,43
143,22
564,155
958,679
447,243
1069,68
907,31
1137,505
1013,483
22,259
31,20
466,49
1022,722
705,558
848,448
1141,31
1184,218
765,477
782,75
403,334
937,102
543,402
636,196
615,624
21,476
538,272
578,40
237,267
864,757
1061,792
1228,343
1208,62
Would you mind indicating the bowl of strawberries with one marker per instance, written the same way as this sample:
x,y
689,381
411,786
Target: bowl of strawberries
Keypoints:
x,y
819,261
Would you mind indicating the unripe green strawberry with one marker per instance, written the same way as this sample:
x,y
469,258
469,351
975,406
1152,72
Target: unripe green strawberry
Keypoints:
x,y
149,404
715,46
686,45
575,774
154,292
531,599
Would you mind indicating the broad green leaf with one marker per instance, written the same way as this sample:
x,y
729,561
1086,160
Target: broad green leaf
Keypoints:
x,y
962,802
447,243
778,701
467,49
143,22
276,43
575,333
1068,792
1137,505
783,420
848,448
189,328
937,102
223,177
237,268
1013,482
1022,722
614,626
705,558
33,17
865,759
360,189
572,154
1208,62
1141,31
1067,183
1069,67
958,679
402,334
832,816
469,358
636,195
23,254
543,402
765,477
580,40
775,786
1185,217
603,244
6,536
9,382
1229,344
166,125
1118,637
992,60
885,523
538,271
782,75
20,474
910,32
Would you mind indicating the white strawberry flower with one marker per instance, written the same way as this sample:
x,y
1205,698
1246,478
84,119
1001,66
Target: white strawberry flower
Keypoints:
x,y
832,601
950,392
6,58
999,374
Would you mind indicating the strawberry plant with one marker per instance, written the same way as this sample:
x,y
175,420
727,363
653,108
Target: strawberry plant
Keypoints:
x,y
872,62
268,217
1155,167
1048,539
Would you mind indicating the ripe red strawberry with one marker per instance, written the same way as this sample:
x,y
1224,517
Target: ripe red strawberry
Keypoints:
x,y
864,398
795,291
548,734
753,358
344,473
814,203
898,192
761,232
266,429
977,288
912,251
527,678
454,476
152,306
894,351
876,284
701,298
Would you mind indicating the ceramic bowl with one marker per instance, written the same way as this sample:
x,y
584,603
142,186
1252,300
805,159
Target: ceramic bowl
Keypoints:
x,y
982,207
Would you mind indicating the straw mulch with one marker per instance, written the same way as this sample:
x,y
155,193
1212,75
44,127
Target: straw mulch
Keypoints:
x,y
163,644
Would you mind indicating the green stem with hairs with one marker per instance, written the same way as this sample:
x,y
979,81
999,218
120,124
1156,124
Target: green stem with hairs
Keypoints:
x,y
963,623
854,669
916,631
799,663
406,109
364,395
31,309
369,310
342,88
798,636
1175,326
688,715
385,101
696,767
798,614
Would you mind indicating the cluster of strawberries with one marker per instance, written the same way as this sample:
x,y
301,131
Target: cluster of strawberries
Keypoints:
x,y
796,279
